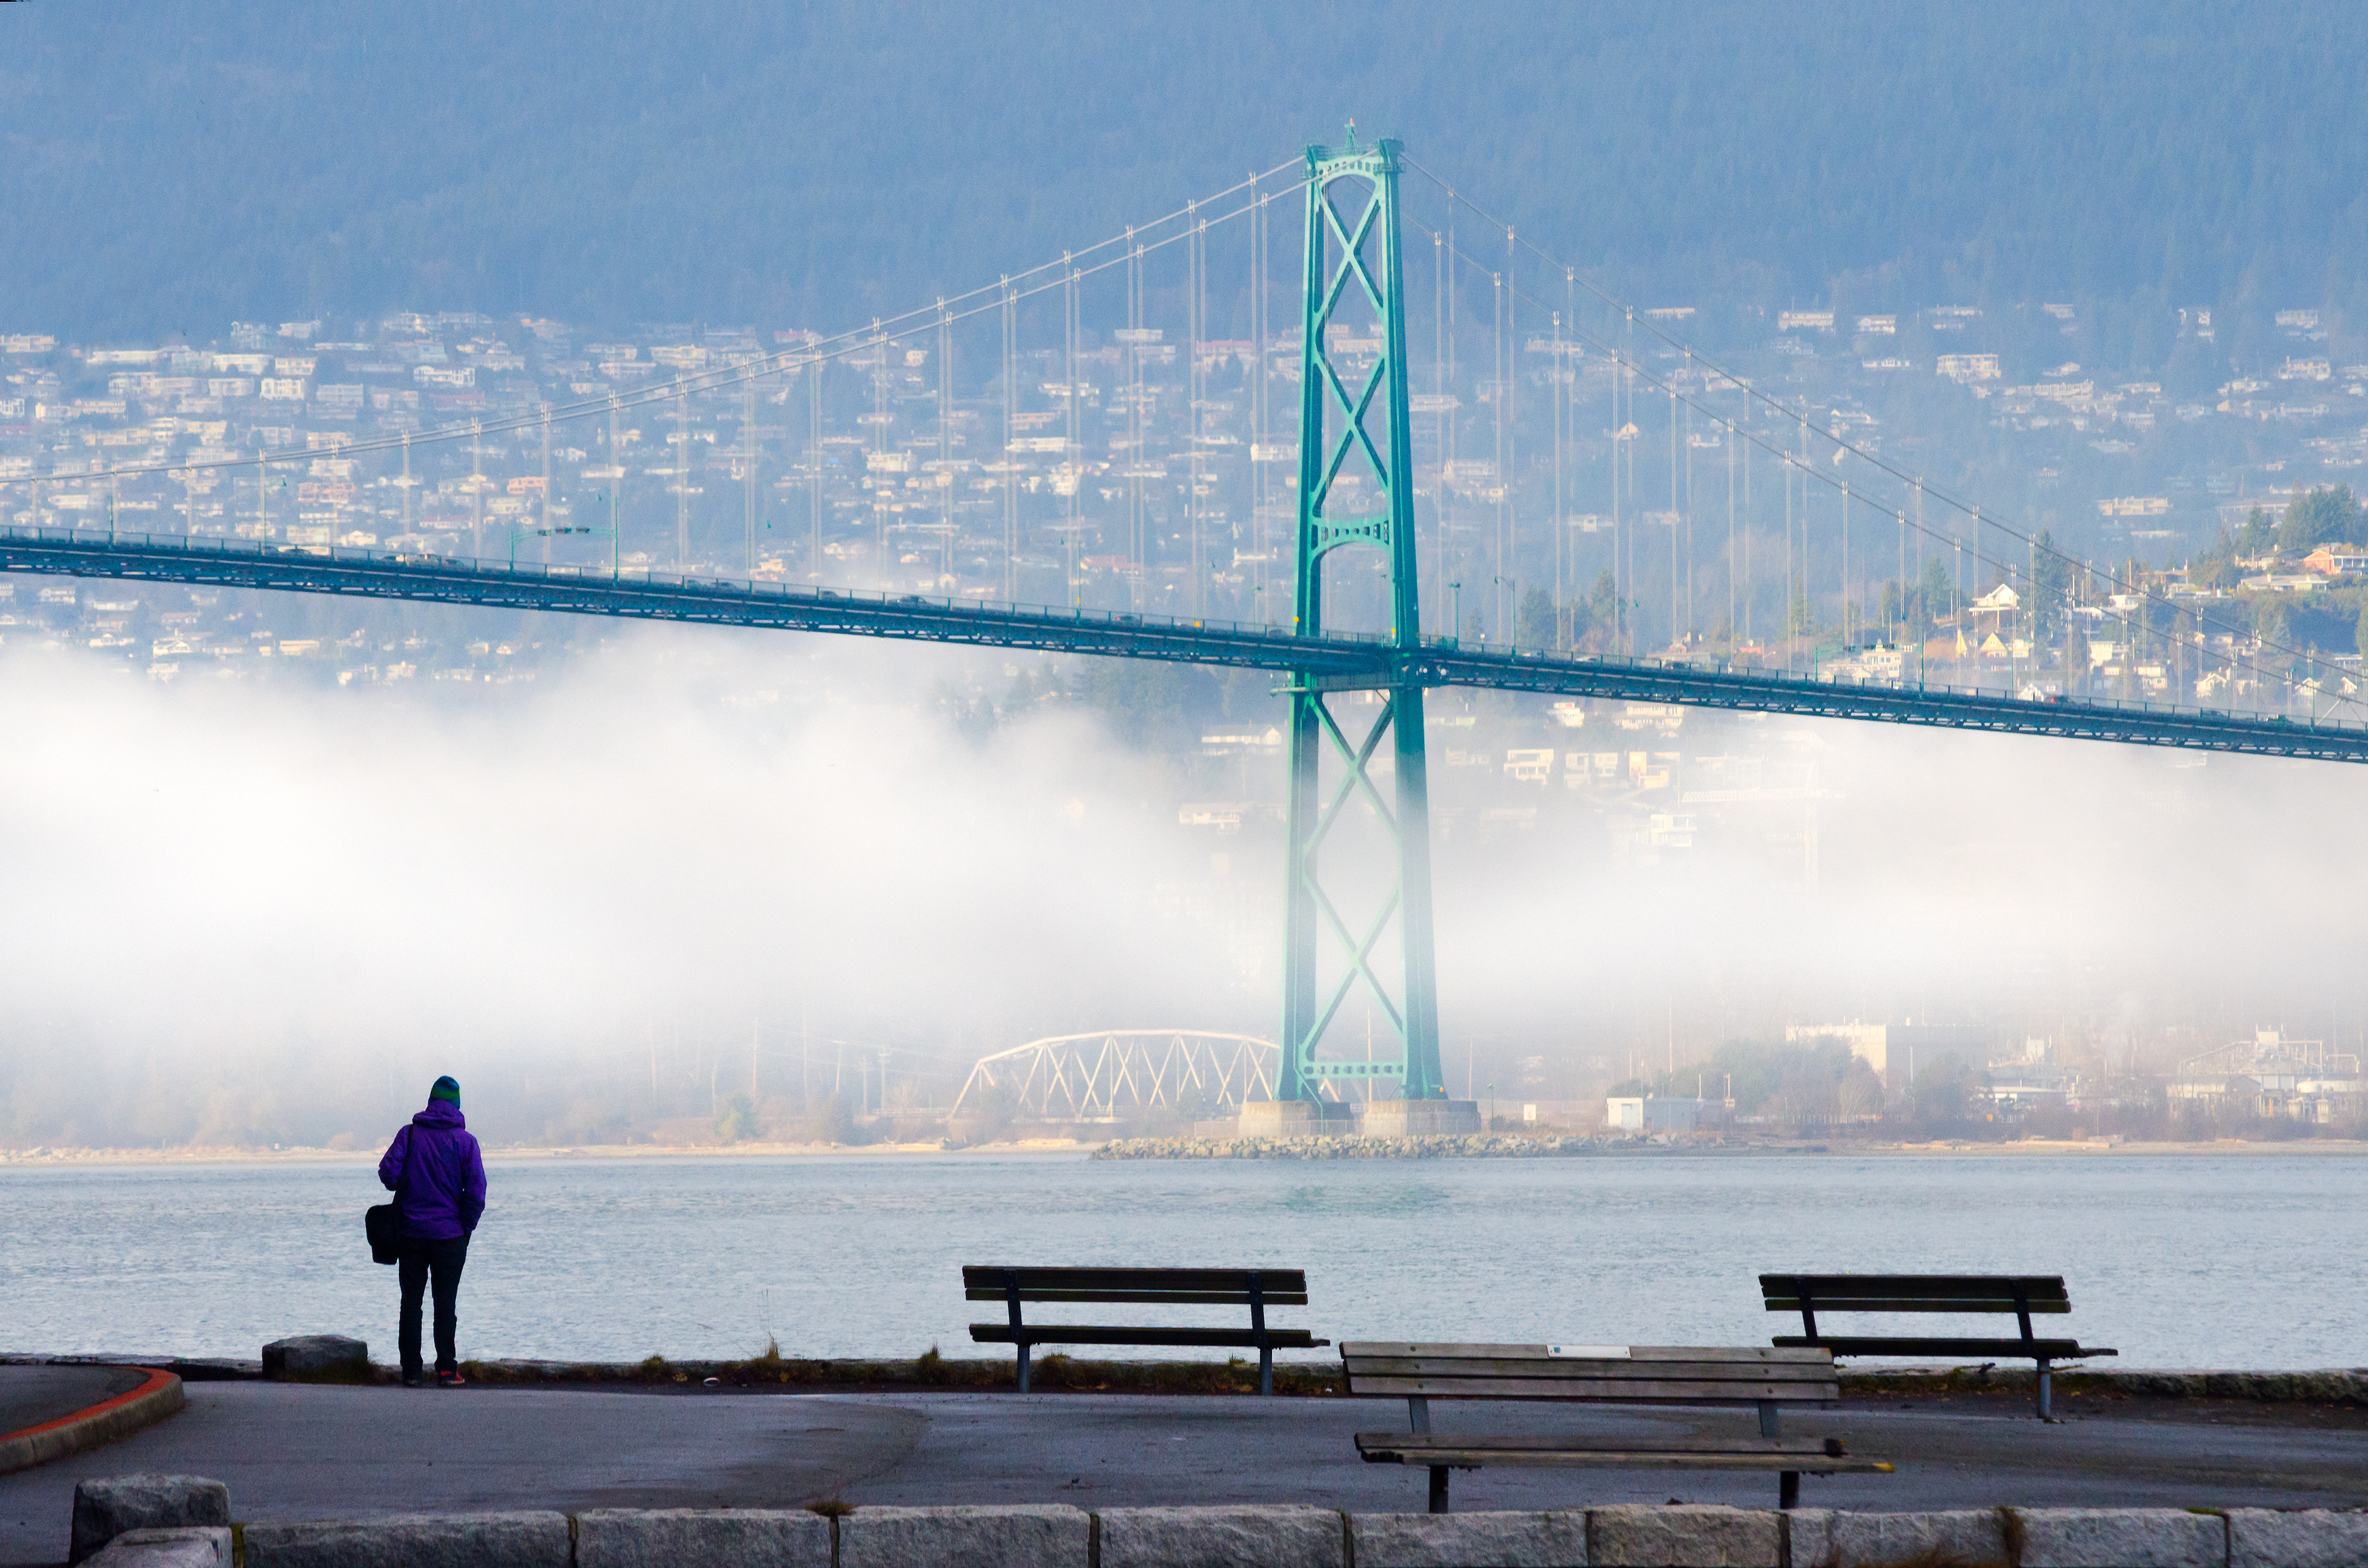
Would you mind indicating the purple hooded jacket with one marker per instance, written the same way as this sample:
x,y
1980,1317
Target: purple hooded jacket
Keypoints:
x,y
436,1174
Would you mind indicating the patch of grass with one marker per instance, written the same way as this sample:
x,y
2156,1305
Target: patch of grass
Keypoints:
x,y
932,1371
830,1507
1939,1556
350,1375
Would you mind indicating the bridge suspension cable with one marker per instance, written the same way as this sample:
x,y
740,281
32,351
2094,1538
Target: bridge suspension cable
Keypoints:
x,y
985,299
1922,485
2006,566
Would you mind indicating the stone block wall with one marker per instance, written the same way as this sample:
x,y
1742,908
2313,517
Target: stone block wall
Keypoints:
x,y
1056,1535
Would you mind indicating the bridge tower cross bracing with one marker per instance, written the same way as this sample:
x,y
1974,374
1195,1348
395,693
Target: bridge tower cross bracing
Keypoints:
x,y
1347,261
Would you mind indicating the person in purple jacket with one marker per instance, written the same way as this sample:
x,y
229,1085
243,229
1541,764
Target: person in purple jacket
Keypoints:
x,y
437,1176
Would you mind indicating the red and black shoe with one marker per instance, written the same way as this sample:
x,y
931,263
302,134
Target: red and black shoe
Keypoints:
x,y
451,1380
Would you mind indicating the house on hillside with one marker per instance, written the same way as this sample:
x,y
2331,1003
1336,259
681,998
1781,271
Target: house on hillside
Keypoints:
x,y
2338,561
2001,605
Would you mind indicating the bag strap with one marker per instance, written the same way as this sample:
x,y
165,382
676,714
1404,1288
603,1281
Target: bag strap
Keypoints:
x,y
404,1138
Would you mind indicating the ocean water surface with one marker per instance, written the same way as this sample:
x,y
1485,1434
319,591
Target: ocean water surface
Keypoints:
x,y
2198,1260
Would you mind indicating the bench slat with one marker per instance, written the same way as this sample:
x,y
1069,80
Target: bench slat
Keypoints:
x,y
1603,1459
1881,1345
1634,1390
1128,1334
1582,1443
1820,1371
1903,1305
1450,1350
1153,1298
1273,1282
1868,1287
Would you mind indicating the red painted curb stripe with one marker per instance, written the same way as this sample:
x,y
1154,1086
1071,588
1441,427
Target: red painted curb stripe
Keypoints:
x,y
157,1380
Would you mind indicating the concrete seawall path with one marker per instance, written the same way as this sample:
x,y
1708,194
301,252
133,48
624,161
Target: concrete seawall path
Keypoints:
x,y
293,1452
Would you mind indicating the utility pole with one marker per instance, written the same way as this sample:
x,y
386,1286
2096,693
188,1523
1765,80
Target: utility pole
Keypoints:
x,y
748,457
1439,381
1010,472
1847,601
682,475
1073,448
477,488
946,437
1496,420
1258,219
1560,592
813,460
546,484
1507,481
1619,444
1750,583
1137,556
1677,628
616,484
1197,236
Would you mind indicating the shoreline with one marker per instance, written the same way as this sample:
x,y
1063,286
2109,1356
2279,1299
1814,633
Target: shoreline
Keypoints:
x,y
1497,1146
1055,1373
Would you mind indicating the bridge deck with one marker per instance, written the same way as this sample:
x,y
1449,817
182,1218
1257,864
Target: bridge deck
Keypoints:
x,y
1337,660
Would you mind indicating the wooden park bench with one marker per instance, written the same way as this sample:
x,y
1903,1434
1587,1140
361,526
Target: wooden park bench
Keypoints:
x,y
1617,1374
1257,1288
2021,1294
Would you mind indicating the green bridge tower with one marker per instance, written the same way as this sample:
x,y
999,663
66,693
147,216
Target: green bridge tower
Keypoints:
x,y
1349,259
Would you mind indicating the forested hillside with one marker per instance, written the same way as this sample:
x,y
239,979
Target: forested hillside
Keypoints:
x,y
169,167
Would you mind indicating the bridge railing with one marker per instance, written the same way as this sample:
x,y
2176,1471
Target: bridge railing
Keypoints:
x,y
764,589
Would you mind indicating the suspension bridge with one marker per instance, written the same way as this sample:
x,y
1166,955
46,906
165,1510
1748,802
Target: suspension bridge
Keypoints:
x,y
1352,629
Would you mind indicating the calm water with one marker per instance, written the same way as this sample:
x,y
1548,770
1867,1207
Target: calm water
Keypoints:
x,y
2186,1261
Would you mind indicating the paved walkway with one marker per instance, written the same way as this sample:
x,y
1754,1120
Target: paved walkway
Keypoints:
x,y
35,1396
292,1451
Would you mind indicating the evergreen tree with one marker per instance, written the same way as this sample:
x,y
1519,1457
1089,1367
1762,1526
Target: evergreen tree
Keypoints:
x,y
1534,623
2258,535
1604,611
2328,513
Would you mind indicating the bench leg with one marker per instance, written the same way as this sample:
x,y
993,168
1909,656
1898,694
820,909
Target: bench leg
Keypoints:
x,y
2046,1395
1439,1489
1266,1370
1023,1367
1788,1489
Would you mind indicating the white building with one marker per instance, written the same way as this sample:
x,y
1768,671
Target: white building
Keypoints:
x,y
1880,1046
1650,1113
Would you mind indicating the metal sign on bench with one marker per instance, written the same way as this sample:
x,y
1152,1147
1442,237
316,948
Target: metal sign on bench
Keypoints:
x,y
2021,1294
1640,1374
1257,1288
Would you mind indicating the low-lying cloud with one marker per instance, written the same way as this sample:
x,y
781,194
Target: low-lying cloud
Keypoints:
x,y
264,909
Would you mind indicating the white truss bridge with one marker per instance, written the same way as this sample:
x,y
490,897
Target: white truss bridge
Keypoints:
x,y
1105,1075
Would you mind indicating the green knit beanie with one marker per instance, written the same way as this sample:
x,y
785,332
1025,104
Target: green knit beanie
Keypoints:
x,y
447,1088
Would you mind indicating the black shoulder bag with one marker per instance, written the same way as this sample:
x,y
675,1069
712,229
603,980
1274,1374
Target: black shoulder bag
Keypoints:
x,y
383,1223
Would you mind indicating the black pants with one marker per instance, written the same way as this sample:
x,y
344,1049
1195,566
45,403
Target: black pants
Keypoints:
x,y
443,1259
